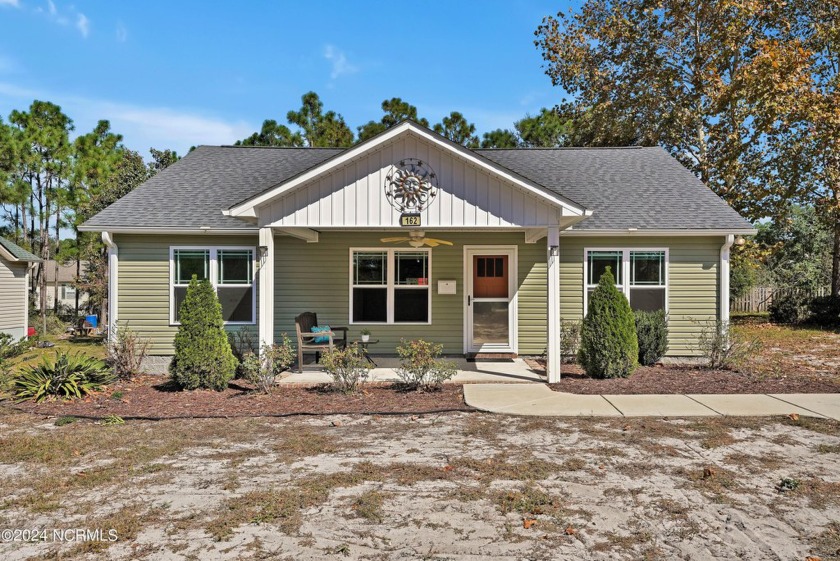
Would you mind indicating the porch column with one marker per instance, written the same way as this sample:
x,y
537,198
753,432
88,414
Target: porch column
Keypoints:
x,y
266,287
552,363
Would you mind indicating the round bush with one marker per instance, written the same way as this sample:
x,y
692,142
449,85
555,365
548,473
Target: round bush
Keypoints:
x,y
608,344
788,308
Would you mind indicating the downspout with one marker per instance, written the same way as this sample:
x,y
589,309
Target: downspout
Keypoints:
x,y
724,280
113,276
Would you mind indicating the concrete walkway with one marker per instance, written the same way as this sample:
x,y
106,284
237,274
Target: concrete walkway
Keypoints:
x,y
539,400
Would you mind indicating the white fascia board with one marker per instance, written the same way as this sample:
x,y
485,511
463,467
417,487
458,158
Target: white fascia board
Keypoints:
x,y
662,232
246,208
7,256
176,231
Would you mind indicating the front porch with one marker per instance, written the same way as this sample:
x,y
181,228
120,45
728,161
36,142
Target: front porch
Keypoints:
x,y
513,371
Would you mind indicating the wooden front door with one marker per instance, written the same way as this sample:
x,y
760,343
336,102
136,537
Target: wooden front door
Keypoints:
x,y
489,301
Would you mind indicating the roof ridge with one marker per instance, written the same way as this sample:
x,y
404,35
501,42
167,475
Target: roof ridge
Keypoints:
x,y
273,147
552,148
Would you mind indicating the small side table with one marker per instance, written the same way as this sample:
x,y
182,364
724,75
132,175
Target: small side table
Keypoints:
x,y
364,346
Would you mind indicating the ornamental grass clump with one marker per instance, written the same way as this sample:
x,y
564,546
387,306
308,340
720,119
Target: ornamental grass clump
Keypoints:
x,y
67,376
608,344
421,367
203,358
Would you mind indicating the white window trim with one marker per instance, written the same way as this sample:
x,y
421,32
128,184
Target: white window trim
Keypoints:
x,y
390,283
213,272
625,272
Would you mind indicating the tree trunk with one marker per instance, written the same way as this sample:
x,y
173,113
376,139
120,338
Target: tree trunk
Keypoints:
x,y
57,244
835,261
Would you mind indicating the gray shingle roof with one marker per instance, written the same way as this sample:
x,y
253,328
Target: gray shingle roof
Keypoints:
x,y
642,188
192,192
17,251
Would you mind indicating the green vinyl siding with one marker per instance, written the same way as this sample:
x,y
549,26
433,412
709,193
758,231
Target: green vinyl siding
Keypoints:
x,y
316,277
693,281
143,302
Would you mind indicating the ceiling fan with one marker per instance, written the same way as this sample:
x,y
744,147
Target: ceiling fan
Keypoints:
x,y
416,238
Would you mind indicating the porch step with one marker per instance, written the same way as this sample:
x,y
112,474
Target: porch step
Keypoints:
x,y
490,357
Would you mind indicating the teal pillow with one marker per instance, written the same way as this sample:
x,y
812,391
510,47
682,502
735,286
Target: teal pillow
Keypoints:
x,y
316,329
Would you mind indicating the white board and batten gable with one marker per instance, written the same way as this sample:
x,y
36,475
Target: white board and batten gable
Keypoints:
x,y
348,191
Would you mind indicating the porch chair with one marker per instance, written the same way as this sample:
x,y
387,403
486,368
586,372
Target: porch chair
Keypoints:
x,y
305,337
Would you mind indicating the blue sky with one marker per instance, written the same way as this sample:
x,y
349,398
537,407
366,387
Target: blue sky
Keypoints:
x,y
175,74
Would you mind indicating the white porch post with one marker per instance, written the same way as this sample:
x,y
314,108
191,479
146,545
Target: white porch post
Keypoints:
x,y
552,363
266,279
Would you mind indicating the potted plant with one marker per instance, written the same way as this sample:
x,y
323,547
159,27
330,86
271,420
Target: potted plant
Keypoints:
x,y
365,335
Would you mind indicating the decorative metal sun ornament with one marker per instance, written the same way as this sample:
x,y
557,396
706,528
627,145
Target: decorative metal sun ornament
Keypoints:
x,y
411,186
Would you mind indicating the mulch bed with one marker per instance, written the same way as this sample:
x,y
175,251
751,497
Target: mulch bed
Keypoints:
x,y
686,380
153,397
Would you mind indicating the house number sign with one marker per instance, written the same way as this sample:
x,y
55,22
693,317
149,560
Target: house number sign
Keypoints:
x,y
410,187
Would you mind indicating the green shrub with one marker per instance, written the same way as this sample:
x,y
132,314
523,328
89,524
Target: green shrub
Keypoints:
x,y
242,341
569,339
723,347
262,371
825,311
652,334
203,358
9,348
67,376
126,353
608,344
788,308
421,367
348,368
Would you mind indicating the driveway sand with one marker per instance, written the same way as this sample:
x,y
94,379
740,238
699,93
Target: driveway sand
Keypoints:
x,y
444,486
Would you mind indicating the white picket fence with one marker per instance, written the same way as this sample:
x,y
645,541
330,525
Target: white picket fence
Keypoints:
x,y
759,298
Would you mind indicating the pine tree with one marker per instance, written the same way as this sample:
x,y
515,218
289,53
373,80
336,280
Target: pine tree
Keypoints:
x,y
203,358
608,346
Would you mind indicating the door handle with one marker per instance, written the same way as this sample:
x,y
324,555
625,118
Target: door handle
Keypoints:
x,y
469,300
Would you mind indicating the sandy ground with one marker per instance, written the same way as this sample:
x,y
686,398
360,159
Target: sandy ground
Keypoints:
x,y
448,486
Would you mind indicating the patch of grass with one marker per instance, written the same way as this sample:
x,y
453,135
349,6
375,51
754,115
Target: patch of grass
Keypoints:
x,y
828,448
368,505
528,501
117,395
827,543
281,507
294,444
524,467
814,424
65,420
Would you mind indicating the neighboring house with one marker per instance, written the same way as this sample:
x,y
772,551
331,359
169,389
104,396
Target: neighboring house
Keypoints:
x,y
15,263
412,235
66,285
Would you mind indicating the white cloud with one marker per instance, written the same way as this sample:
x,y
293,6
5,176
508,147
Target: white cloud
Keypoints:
x,y
122,33
83,25
12,3
142,127
52,12
338,59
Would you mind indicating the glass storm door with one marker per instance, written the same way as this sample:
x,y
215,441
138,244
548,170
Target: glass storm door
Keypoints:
x,y
489,302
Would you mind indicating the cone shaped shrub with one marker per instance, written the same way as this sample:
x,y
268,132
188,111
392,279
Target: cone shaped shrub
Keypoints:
x,y
608,344
203,358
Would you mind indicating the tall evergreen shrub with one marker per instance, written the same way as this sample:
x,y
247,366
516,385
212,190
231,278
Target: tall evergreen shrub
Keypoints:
x,y
203,358
608,344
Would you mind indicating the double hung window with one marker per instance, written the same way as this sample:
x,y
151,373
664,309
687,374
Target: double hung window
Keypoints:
x,y
641,274
230,271
390,286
